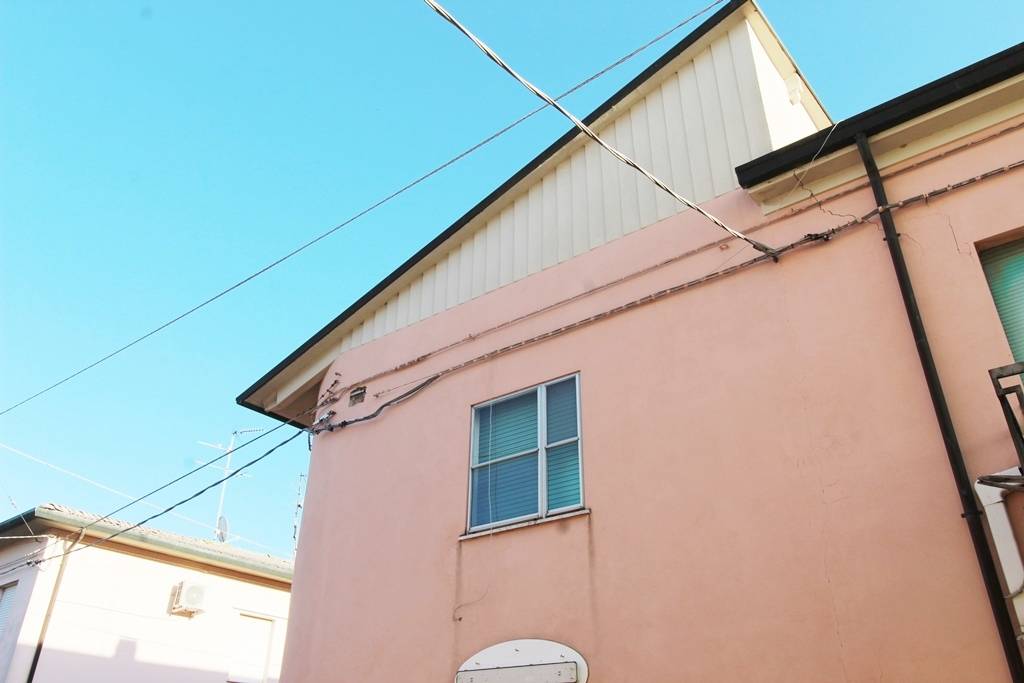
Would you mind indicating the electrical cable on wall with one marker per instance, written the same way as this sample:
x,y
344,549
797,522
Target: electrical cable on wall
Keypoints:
x,y
493,56
330,427
810,238
643,271
396,193
323,419
323,424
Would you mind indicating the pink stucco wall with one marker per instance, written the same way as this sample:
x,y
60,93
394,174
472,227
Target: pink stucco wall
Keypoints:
x,y
770,495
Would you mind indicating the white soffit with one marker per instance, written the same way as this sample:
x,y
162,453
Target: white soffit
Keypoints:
x,y
969,115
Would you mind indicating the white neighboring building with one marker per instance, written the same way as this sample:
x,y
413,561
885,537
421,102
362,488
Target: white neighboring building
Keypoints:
x,y
115,612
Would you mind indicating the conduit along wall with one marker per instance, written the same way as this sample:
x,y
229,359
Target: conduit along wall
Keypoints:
x,y
971,512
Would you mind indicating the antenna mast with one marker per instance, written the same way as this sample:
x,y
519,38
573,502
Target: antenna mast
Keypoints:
x,y
300,495
221,534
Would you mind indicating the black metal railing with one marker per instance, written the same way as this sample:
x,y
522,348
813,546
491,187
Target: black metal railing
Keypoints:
x,y
1009,381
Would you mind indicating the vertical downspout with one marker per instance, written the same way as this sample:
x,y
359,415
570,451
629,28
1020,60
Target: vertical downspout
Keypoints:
x,y
49,609
971,512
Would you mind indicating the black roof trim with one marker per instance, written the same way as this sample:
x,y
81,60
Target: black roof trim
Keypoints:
x,y
727,10
938,93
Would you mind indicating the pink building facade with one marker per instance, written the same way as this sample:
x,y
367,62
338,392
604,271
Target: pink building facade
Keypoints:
x,y
610,426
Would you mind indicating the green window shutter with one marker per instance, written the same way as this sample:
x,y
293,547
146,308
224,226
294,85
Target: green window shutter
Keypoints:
x,y
1004,269
507,427
564,476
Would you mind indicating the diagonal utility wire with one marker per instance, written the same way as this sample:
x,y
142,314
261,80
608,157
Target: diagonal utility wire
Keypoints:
x,y
75,547
122,494
17,510
380,202
591,134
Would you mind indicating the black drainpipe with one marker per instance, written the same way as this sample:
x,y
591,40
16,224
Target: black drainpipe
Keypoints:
x,y
972,513
49,608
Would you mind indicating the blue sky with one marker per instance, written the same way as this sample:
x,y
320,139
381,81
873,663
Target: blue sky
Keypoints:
x,y
152,153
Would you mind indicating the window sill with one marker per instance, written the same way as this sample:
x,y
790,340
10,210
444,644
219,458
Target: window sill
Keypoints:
x,y
519,525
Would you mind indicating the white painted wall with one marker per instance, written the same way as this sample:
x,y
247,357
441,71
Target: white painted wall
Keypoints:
x,y
111,622
30,589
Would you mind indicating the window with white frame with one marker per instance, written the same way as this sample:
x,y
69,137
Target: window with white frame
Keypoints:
x,y
6,602
526,460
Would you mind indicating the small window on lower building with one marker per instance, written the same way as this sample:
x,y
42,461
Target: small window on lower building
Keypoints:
x,y
526,460
1004,270
6,602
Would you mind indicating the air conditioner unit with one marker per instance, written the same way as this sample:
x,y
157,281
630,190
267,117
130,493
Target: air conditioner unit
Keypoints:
x,y
188,599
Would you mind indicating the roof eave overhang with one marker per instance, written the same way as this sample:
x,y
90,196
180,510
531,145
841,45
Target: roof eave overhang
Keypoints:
x,y
42,518
266,398
920,101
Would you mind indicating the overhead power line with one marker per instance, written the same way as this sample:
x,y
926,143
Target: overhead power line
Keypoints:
x,y
494,57
380,202
24,561
808,239
17,510
192,471
21,561
133,499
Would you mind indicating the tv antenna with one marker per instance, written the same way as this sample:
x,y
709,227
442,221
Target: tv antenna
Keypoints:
x,y
300,495
222,533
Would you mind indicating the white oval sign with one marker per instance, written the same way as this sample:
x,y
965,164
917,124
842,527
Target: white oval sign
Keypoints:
x,y
524,661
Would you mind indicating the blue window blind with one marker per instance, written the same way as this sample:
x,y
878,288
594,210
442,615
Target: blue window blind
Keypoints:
x,y
564,476
563,460
6,601
1004,269
505,490
507,427
520,461
561,401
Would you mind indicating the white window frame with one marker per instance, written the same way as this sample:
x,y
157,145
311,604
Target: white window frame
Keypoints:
x,y
238,677
541,450
8,590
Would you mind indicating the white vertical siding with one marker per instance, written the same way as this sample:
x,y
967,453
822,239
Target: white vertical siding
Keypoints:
x,y
612,199
579,214
534,229
640,151
660,165
745,72
595,203
621,136
787,118
692,129
695,142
